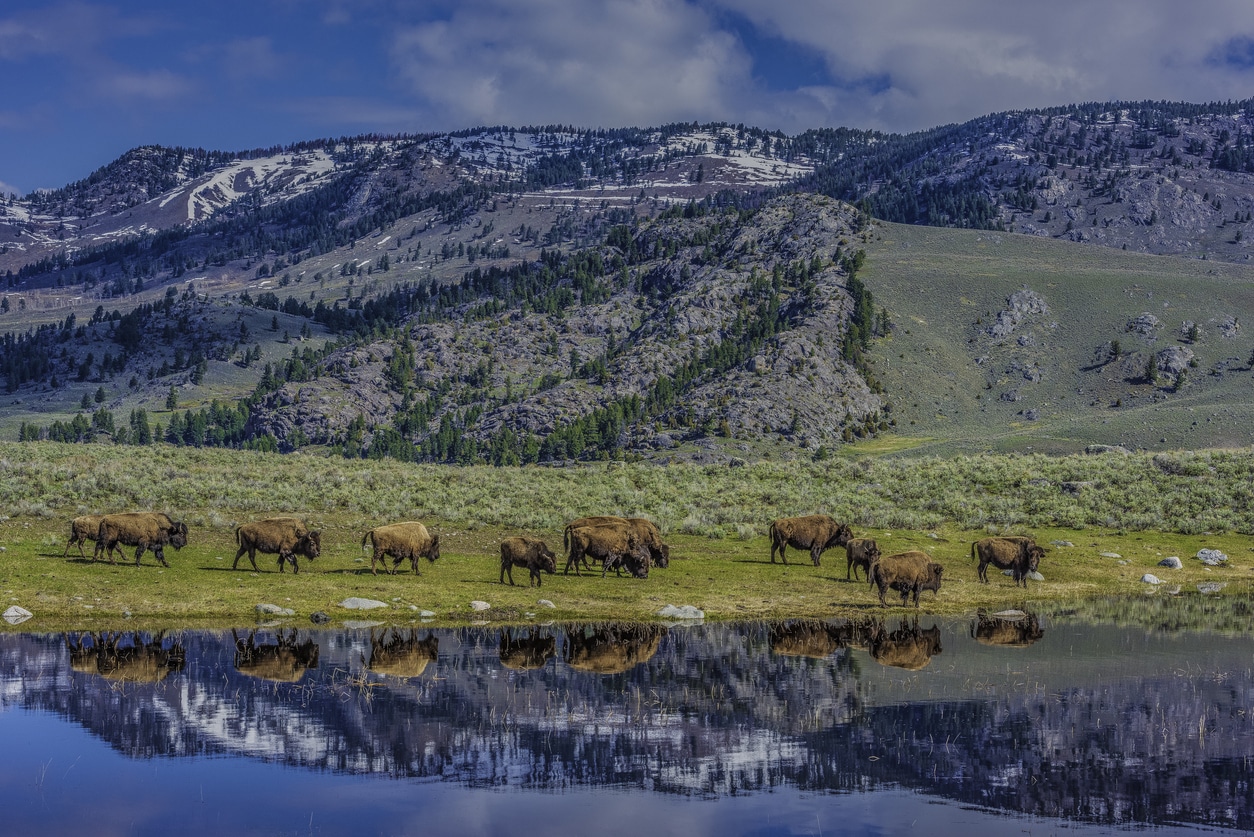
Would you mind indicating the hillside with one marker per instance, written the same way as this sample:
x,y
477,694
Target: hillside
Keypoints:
x,y
679,293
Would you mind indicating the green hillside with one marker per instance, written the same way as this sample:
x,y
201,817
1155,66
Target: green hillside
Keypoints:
x,y
1052,384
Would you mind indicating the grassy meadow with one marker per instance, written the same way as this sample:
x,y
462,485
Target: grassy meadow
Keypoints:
x,y
1140,507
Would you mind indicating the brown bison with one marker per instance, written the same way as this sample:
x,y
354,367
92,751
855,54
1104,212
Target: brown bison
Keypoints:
x,y
1020,555
142,530
906,572
815,532
910,647
402,541
398,655
1017,631
646,530
860,552
289,537
616,547
136,661
286,661
83,528
527,652
532,553
613,648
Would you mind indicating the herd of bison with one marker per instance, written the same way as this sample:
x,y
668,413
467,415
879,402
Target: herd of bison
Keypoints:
x,y
617,543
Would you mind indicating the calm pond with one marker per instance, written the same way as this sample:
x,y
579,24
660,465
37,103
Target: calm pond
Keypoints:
x,y
964,727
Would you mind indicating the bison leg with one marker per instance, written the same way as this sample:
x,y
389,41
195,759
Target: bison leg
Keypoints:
x,y
816,555
982,571
571,558
159,551
535,576
507,569
139,550
252,557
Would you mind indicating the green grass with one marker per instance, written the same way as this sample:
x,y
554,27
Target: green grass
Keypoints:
x,y
1142,507
937,283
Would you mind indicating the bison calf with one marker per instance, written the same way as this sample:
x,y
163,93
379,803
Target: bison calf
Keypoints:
x,y
815,532
83,528
906,572
860,552
532,553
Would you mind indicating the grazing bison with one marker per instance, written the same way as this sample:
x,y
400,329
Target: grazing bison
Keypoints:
x,y
617,547
906,572
646,530
860,552
907,647
138,661
83,528
398,655
532,553
815,532
527,652
1017,631
286,536
612,648
142,530
402,541
284,662
1020,555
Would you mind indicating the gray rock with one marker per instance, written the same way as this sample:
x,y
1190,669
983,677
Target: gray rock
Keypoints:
x,y
1110,554
546,603
1061,543
1210,587
426,614
1092,450
358,603
1172,562
1010,614
478,605
686,612
1174,359
267,609
1145,325
319,618
16,615
1150,578
1212,557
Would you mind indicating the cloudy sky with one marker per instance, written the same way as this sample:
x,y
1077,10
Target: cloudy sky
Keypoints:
x,y
83,81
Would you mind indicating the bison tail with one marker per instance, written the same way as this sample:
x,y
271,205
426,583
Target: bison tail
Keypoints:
x,y
237,541
973,551
365,538
566,539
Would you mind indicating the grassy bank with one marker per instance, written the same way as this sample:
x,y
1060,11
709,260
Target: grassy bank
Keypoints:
x,y
1141,507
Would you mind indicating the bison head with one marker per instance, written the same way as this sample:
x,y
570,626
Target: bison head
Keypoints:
x,y
433,551
178,535
842,536
310,545
661,556
1035,554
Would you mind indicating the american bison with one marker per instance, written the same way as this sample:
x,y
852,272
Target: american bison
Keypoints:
x,y
83,528
289,537
395,654
402,541
906,572
532,553
910,647
860,552
1012,631
617,547
612,648
142,530
286,661
527,652
815,532
646,530
1020,555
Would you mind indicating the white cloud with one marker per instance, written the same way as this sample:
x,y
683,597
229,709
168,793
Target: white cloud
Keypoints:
x,y
6,190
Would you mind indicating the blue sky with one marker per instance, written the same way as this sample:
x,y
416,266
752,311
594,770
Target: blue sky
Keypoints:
x,y
83,81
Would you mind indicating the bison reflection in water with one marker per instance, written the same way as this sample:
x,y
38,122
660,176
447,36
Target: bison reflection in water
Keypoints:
x,y
284,662
612,648
1018,630
909,647
812,638
403,655
527,652
125,658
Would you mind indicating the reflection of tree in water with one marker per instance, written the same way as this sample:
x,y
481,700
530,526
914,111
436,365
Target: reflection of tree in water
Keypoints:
x,y
703,710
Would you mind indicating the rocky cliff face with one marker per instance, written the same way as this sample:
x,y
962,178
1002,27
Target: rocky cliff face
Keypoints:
x,y
686,315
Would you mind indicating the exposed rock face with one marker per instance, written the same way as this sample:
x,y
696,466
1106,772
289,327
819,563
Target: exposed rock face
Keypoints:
x,y
1173,359
1144,325
532,371
1019,306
